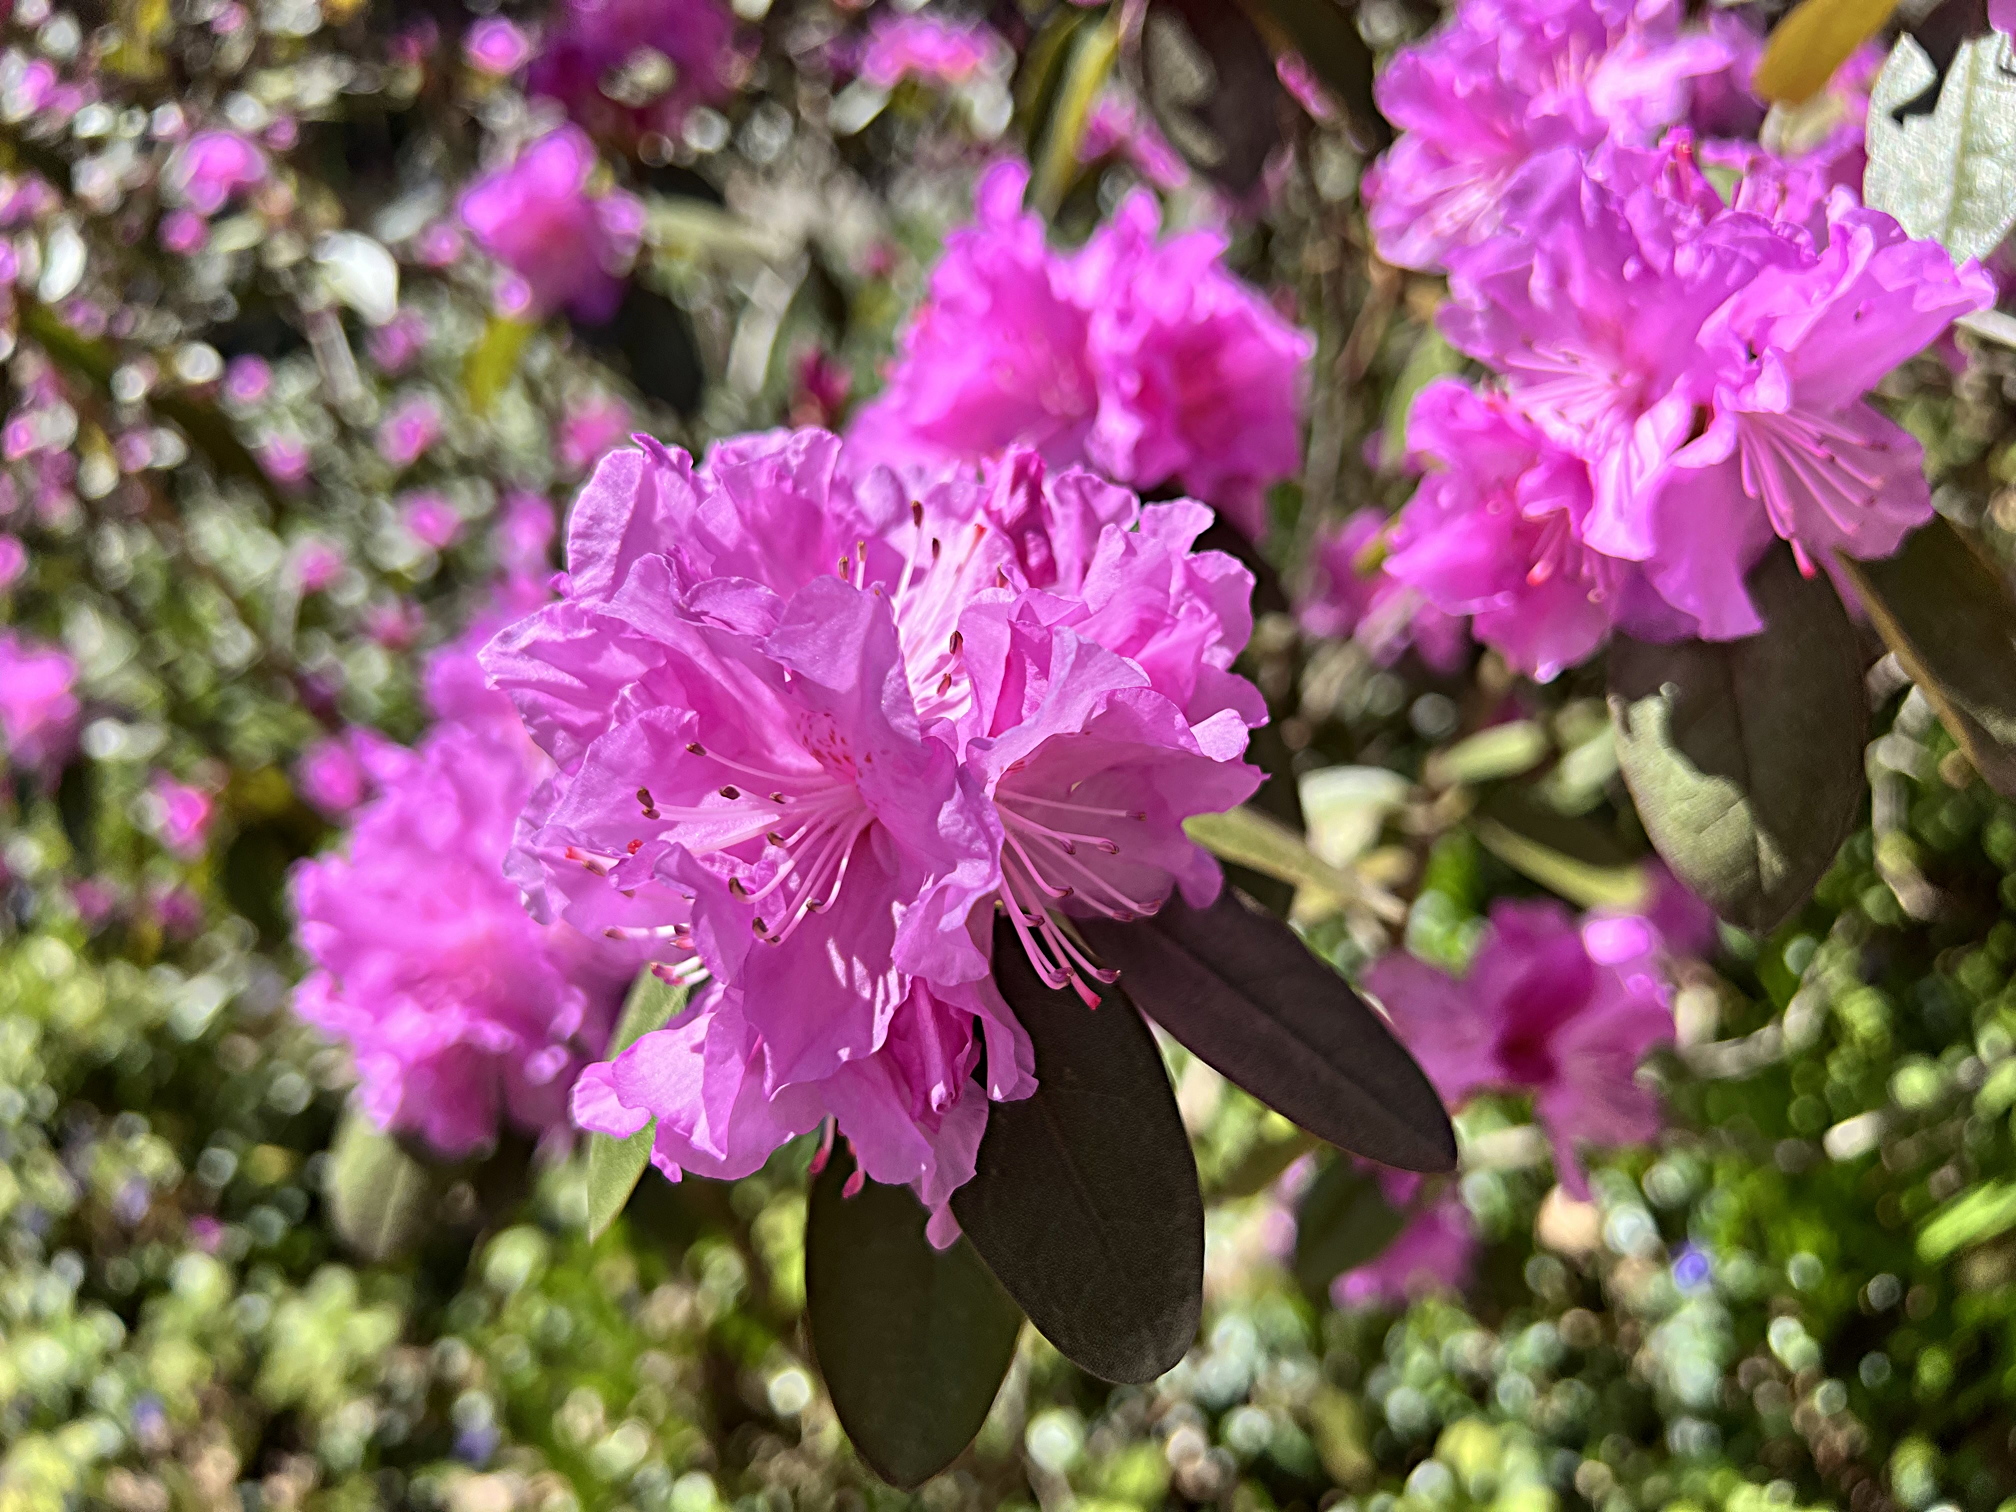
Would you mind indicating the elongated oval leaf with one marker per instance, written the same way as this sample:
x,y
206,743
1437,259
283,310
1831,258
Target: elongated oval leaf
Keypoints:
x,y
378,1195
913,1342
1745,756
1949,617
1814,40
1326,34
1240,990
1344,1221
1210,82
1949,175
1085,1200
616,1165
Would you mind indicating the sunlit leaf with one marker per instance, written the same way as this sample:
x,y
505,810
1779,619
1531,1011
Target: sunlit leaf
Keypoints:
x,y
1092,54
379,1196
1814,40
1949,175
616,1165
913,1342
1949,616
1745,756
493,360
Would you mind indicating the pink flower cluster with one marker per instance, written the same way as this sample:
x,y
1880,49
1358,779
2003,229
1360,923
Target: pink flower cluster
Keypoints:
x,y
812,725
1560,1010
569,246
1680,375
931,48
38,703
1141,358
458,1007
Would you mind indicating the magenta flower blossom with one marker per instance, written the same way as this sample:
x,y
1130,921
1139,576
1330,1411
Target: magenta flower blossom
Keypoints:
x,y
1383,614
1505,81
810,730
206,171
318,562
930,48
338,772
1146,360
1435,1252
413,425
247,380
183,815
677,54
459,1008
1545,1008
395,344
13,561
590,426
1118,127
497,47
2002,15
431,520
537,217
1708,366
38,703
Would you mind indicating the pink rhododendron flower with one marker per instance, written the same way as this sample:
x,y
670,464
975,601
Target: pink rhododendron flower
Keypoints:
x,y
183,813
590,426
538,218
183,232
247,380
38,702
318,562
13,561
338,772
413,425
1708,365
2002,15
1145,359
931,48
1118,126
1435,1252
811,729
497,47
1564,1013
1384,614
206,171
431,520
395,344
671,55
1505,81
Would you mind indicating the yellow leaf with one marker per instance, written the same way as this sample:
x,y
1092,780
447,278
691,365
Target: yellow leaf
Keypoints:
x,y
1813,41
493,360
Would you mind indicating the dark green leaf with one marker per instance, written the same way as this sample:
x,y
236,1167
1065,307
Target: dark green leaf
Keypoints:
x,y
378,1195
1209,81
1326,34
1949,617
913,1342
1344,1222
1240,990
1085,1202
1745,756
615,1165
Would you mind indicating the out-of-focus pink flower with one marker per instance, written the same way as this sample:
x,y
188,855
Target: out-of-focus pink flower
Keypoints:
x,y
1383,614
1300,80
1505,81
591,426
1145,359
663,57
318,562
38,702
395,623
538,218
94,899
285,458
930,48
524,535
338,772
183,815
2002,15
183,232
439,245
819,388
818,779
247,380
13,561
1563,1013
458,1008
431,520
211,167
178,911
412,425
1434,1253
496,46
395,344
1118,126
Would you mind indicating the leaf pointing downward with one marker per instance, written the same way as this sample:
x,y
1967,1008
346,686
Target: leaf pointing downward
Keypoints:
x,y
1085,1201
616,1165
